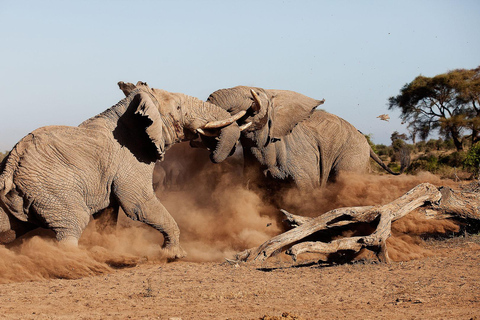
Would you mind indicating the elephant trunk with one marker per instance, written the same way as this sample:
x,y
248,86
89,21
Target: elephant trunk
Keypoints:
x,y
226,145
202,115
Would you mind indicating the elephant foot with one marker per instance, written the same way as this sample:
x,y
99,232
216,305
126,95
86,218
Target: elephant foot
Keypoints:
x,y
7,236
68,242
173,253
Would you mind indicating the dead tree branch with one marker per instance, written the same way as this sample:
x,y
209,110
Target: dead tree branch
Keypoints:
x,y
442,200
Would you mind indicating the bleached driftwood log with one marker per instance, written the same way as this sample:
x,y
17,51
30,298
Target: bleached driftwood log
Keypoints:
x,y
443,200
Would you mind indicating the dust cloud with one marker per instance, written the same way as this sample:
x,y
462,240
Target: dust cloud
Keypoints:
x,y
352,189
39,256
217,216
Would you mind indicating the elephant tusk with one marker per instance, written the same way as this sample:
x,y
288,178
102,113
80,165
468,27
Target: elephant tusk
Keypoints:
x,y
245,126
207,134
255,96
224,123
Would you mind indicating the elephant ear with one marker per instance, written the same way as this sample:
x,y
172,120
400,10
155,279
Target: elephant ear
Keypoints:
x,y
290,108
154,130
140,128
128,87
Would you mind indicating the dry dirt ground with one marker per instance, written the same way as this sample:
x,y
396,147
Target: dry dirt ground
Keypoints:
x,y
123,275
444,285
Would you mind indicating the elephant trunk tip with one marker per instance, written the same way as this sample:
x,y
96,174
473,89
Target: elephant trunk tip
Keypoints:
x,y
217,157
214,159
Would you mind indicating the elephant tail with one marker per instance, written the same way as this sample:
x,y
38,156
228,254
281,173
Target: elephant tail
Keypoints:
x,y
6,175
8,167
404,162
6,182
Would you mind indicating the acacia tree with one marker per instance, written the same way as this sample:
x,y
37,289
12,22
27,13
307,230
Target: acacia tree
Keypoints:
x,y
448,103
468,89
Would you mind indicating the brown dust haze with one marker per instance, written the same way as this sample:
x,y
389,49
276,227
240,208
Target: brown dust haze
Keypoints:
x,y
217,216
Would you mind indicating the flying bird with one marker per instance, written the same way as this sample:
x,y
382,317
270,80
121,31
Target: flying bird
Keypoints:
x,y
384,117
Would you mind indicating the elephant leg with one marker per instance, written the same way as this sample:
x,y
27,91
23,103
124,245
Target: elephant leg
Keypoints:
x,y
68,219
72,228
12,228
7,235
356,159
311,176
154,214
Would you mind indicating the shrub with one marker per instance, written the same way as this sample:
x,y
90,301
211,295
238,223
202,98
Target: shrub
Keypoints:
x,y
383,150
454,160
472,159
394,166
448,145
428,162
420,146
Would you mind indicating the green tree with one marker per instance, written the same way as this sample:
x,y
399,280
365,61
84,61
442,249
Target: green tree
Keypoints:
x,y
472,160
400,148
468,89
398,140
448,103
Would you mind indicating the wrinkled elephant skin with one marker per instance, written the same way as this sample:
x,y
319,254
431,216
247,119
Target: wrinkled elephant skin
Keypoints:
x,y
58,176
289,140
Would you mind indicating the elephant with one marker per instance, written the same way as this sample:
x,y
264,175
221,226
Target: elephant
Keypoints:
x,y
289,140
57,177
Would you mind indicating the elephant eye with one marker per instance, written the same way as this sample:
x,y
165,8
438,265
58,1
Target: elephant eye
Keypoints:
x,y
178,107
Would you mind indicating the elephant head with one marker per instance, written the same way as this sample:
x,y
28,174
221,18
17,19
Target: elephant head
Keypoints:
x,y
282,110
175,117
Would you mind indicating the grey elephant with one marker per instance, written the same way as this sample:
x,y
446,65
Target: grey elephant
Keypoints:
x,y
58,176
290,140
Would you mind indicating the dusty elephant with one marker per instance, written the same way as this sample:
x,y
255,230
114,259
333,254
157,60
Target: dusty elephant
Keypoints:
x,y
289,140
58,176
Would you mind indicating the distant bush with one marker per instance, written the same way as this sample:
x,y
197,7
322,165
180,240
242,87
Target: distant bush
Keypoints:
x,y
420,146
472,159
449,145
455,159
434,145
437,156
447,166
394,166
383,150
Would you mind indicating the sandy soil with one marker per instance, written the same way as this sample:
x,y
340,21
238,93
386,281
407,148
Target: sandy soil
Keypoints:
x,y
445,285
123,275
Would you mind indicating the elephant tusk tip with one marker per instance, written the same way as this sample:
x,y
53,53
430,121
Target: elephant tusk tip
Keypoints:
x,y
223,123
245,126
206,133
239,114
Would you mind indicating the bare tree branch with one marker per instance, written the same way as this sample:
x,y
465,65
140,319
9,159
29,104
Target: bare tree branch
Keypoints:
x,y
422,194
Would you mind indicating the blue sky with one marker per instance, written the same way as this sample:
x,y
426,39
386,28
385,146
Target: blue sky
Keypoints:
x,y
60,60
